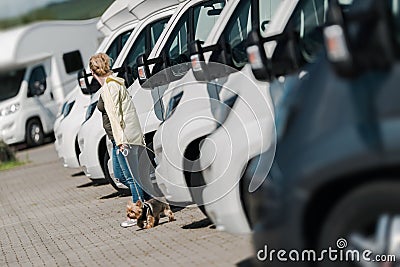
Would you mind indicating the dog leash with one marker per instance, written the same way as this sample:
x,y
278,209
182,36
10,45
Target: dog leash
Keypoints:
x,y
148,208
145,204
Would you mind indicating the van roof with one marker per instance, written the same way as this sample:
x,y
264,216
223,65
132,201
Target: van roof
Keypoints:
x,y
143,8
18,45
116,15
123,11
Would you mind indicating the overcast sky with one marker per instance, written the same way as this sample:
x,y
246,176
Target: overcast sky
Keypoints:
x,y
13,8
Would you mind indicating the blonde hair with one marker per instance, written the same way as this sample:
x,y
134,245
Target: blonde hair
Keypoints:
x,y
100,64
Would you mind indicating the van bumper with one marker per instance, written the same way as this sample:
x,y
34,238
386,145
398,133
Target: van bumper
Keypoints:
x,y
11,129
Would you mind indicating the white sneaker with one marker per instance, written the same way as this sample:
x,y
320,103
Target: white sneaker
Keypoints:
x,y
128,223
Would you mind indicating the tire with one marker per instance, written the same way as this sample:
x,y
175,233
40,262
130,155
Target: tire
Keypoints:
x,y
358,213
108,175
196,180
77,150
34,133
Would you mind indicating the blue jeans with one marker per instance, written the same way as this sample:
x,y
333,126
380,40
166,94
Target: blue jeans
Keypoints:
x,y
121,171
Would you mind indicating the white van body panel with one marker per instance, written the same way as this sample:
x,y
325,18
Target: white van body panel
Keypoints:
x,y
248,131
170,143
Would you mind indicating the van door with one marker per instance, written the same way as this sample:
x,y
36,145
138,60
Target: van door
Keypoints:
x,y
40,95
233,41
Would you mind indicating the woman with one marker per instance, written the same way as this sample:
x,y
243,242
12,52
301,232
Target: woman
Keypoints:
x,y
120,122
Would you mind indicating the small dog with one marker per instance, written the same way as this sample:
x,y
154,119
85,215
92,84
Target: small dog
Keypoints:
x,y
148,213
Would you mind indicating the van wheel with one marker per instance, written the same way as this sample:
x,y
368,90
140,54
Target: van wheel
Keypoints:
x,y
108,176
196,180
366,219
34,133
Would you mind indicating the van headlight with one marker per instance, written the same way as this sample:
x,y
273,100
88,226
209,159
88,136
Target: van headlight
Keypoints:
x,y
9,109
173,103
90,110
221,113
61,113
68,108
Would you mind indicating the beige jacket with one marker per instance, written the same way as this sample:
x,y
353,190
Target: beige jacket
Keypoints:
x,y
120,109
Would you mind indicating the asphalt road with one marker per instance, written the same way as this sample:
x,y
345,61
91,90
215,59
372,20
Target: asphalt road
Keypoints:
x,y
51,216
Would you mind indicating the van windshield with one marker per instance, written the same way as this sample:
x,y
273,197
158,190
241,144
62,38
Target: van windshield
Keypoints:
x,y
10,82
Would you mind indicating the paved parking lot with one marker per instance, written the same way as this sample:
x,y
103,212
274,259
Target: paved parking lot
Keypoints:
x,y
50,216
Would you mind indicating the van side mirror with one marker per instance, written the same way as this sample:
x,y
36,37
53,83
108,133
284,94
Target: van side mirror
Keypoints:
x,y
285,59
201,70
360,37
38,88
143,69
87,88
37,82
84,82
197,60
259,62
160,76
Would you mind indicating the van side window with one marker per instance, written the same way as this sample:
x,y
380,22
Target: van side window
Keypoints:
x,y
205,17
156,29
306,21
73,61
113,51
117,45
177,47
235,35
142,45
37,82
11,83
138,48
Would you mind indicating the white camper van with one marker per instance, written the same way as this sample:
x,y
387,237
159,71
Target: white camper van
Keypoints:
x,y
193,20
38,65
289,27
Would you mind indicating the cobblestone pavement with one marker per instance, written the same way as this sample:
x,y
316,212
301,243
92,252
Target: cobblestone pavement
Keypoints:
x,y
48,216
